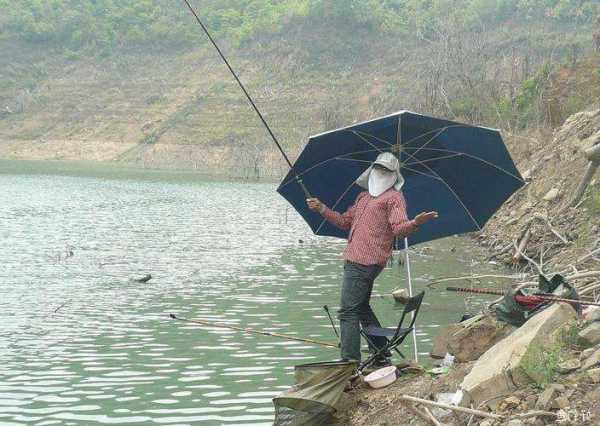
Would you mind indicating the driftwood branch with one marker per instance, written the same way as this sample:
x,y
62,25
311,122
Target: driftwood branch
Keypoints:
x,y
588,256
587,290
520,247
520,253
545,220
586,274
451,407
535,413
431,417
63,304
592,154
587,177
422,414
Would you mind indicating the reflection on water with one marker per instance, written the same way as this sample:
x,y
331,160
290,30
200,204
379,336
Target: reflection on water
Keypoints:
x,y
220,251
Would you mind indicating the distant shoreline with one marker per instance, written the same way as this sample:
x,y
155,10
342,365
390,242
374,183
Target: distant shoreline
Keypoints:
x,y
114,170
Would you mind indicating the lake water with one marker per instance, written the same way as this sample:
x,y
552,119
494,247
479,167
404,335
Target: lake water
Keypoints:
x,y
221,251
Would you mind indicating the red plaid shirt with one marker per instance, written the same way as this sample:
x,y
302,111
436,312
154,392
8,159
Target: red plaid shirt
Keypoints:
x,y
373,224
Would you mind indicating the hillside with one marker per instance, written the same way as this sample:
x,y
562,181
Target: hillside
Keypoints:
x,y
158,102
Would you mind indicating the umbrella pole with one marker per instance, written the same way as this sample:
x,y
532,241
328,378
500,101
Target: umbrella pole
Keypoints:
x,y
410,294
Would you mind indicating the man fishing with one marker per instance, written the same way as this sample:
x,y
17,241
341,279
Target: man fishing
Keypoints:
x,y
376,218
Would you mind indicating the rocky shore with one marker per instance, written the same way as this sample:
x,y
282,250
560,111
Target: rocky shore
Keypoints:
x,y
547,371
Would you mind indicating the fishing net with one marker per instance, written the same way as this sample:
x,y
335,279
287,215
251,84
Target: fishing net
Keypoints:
x,y
315,396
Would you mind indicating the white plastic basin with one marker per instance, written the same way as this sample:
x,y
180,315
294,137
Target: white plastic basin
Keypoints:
x,y
382,377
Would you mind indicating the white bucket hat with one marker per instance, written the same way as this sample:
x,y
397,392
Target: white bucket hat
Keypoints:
x,y
389,162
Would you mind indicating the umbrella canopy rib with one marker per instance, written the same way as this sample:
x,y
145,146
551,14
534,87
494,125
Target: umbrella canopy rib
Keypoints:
x,y
474,157
455,195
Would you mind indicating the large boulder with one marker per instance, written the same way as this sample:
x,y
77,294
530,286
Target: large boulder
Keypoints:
x,y
469,339
440,341
591,334
502,368
592,360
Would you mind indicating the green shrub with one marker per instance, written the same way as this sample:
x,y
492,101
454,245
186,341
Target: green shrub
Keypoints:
x,y
540,361
526,106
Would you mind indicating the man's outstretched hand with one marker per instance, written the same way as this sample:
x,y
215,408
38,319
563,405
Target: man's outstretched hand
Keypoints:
x,y
425,217
315,204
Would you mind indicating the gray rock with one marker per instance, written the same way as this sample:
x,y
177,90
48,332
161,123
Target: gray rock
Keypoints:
x,y
400,295
499,371
561,403
592,361
469,339
440,341
551,195
593,315
531,400
568,366
594,375
142,279
515,422
510,403
440,413
545,398
586,353
475,336
591,334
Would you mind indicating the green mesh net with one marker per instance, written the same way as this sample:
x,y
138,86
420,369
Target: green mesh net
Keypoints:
x,y
316,394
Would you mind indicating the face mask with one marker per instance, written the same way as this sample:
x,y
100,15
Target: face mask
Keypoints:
x,y
380,181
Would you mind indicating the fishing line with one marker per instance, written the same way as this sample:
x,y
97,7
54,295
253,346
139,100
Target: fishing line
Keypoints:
x,y
264,122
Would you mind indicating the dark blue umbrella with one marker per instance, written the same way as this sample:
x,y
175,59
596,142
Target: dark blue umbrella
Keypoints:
x,y
463,172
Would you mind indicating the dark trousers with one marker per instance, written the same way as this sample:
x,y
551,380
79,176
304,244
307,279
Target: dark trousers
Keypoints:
x,y
355,311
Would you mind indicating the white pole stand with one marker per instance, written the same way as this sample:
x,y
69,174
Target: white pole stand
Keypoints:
x,y
410,294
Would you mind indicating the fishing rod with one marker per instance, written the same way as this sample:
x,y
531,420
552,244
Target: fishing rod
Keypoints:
x,y
253,331
544,296
264,122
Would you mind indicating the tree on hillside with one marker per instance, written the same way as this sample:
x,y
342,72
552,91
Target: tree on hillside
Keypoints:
x,y
101,25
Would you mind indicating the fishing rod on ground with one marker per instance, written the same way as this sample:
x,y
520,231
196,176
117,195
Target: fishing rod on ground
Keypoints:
x,y
262,119
253,331
543,296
